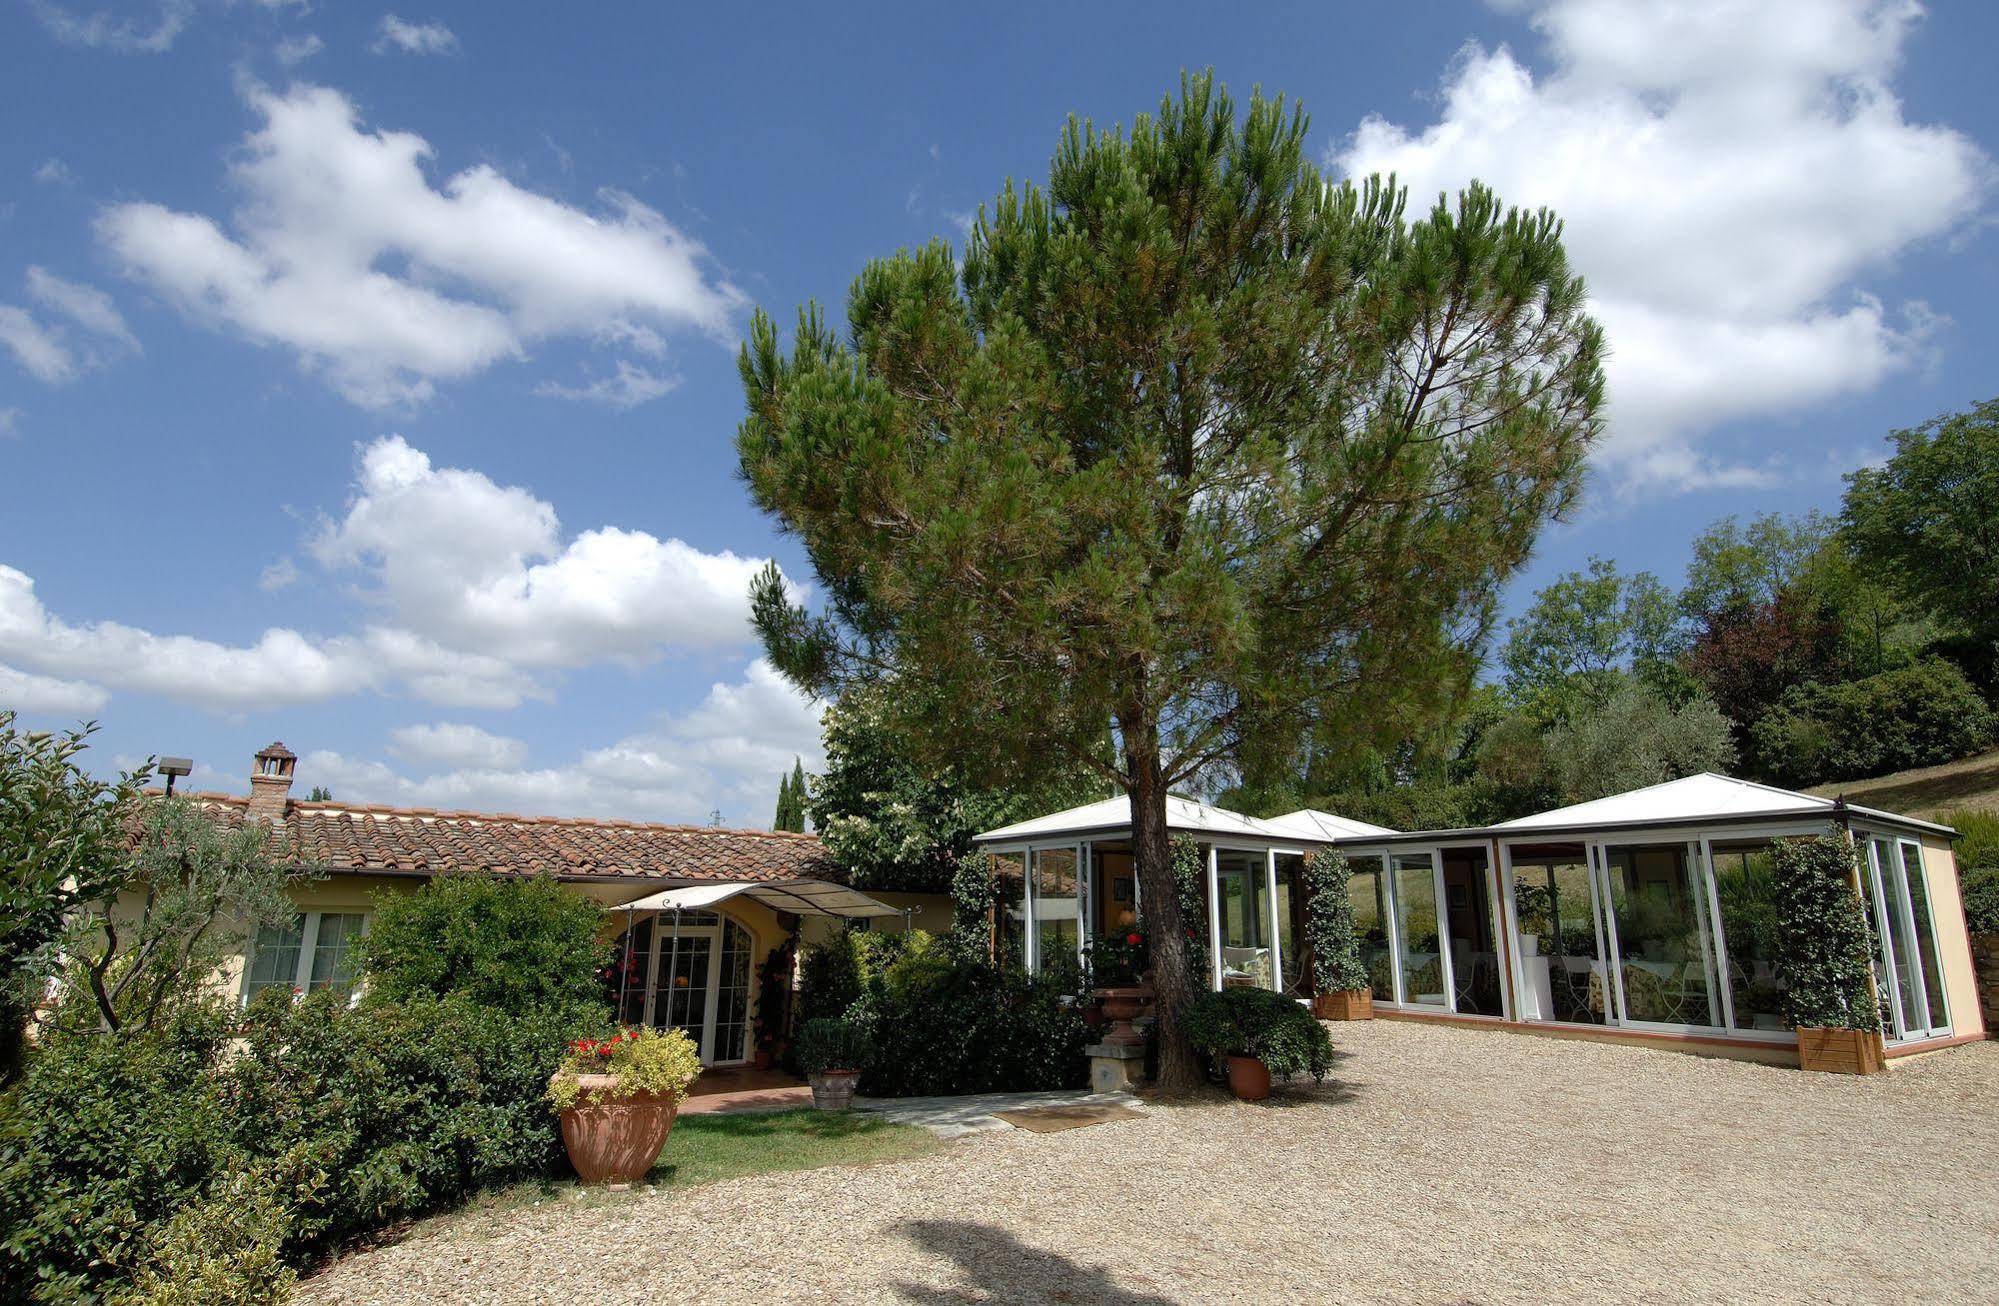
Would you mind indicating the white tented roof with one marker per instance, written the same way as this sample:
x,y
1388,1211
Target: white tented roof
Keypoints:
x,y
800,897
1695,799
1183,816
1309,823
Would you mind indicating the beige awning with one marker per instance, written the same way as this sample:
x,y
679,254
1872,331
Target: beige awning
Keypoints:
x,y
800,897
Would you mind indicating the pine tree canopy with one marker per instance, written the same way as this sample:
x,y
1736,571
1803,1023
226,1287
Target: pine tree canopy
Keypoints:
x,y
1193,441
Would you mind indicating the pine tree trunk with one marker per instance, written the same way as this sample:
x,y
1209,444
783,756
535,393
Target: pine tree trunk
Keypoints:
x,y
1152,852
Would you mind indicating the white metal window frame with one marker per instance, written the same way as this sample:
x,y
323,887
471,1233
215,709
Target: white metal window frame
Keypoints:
x,y
1700,841
308,948
1501,920
1892,918
1030,900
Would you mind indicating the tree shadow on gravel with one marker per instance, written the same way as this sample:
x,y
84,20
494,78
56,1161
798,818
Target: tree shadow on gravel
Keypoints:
x,y
1000,1267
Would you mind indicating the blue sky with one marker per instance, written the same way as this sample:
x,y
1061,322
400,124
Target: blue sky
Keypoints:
x,y
367,377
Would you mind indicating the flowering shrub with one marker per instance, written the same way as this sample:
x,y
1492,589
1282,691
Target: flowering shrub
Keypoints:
x,y
641,1060
1118,959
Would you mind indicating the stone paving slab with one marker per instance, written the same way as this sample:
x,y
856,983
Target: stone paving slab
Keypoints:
x,y
954,1117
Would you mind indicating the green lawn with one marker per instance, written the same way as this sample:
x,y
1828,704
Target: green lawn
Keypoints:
x,y
706,1148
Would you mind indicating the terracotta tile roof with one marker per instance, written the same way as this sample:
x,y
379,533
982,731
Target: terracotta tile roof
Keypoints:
x,y
335,836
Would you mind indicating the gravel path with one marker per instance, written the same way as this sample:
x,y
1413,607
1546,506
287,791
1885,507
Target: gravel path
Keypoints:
x,y
1441,1165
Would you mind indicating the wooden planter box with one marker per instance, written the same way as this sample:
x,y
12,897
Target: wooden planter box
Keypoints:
x,y
1841,1051
1347,1004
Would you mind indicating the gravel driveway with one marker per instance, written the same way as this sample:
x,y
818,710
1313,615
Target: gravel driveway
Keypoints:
x,y
1440,1165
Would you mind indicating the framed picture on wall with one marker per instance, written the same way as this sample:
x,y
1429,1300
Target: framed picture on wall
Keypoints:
x,y
1460,897
1120,890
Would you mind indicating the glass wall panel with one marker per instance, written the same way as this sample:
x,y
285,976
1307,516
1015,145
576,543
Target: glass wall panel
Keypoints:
x,y
1745,887
1926,939
1368,891
1245,917
732,1002
1291,925
1561,978
1662,936
631,973
1423,979
1010,917
1056,907
683,986
1893,933
1469,925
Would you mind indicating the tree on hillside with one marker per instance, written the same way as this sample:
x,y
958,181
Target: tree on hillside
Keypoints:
x,y
1581,630
891,823
1193,445
1634,737
1930,518
1736,567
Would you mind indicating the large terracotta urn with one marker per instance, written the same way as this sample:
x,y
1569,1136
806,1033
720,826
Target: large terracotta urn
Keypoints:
x,y
1249,1079
615,1140
1122,1008
833,1090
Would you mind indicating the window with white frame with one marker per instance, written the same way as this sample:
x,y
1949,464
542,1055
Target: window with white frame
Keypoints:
x,y
312,950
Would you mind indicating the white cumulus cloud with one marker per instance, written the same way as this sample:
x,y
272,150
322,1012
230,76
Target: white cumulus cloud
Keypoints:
x,y
454,744
345,252
400,35
1728,172
473,564
22,691
56,351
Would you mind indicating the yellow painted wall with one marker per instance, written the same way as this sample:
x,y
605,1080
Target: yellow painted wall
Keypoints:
x,y
1960,978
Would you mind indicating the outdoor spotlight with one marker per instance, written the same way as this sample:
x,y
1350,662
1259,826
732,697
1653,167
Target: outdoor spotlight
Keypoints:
x,y
174,766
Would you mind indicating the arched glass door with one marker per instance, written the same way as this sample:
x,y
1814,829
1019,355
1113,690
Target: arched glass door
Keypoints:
x,y
691,974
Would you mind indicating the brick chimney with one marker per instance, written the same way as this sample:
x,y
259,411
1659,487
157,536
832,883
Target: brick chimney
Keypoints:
x,y
271,783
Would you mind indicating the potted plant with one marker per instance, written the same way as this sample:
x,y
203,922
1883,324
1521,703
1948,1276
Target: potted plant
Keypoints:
x,y
833,1053
1259,1034
1341,989
1117,964
617,1098
1823,952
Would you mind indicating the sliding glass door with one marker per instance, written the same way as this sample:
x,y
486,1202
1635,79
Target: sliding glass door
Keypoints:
x,y
1907,971
1427,928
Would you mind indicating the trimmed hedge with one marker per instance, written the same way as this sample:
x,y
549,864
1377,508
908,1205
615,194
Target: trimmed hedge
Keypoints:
x,y
1824,948
939,1027
1329,931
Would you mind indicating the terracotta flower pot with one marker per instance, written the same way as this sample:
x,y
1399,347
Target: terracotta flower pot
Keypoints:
x,y
1346,1004
1249,1079
615,1140
833,1090
1840,1051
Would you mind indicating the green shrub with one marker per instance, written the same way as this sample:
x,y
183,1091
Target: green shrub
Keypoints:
x,y
1918,715
103,1139
401,1107
1329,930
825,1045
970,1029
1824,951
1253,1022
510,944
834,974
1119,959
1981,900
975,890
225,1250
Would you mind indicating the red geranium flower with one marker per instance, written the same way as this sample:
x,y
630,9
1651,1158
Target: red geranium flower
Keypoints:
x,y
1134,939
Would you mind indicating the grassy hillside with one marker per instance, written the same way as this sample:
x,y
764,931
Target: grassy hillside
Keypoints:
x,y
1971,784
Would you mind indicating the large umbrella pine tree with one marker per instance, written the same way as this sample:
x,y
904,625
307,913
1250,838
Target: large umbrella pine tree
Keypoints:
x,y
1194,446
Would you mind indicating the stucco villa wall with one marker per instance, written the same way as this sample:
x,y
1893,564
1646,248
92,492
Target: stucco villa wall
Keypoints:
x,y
1960,975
